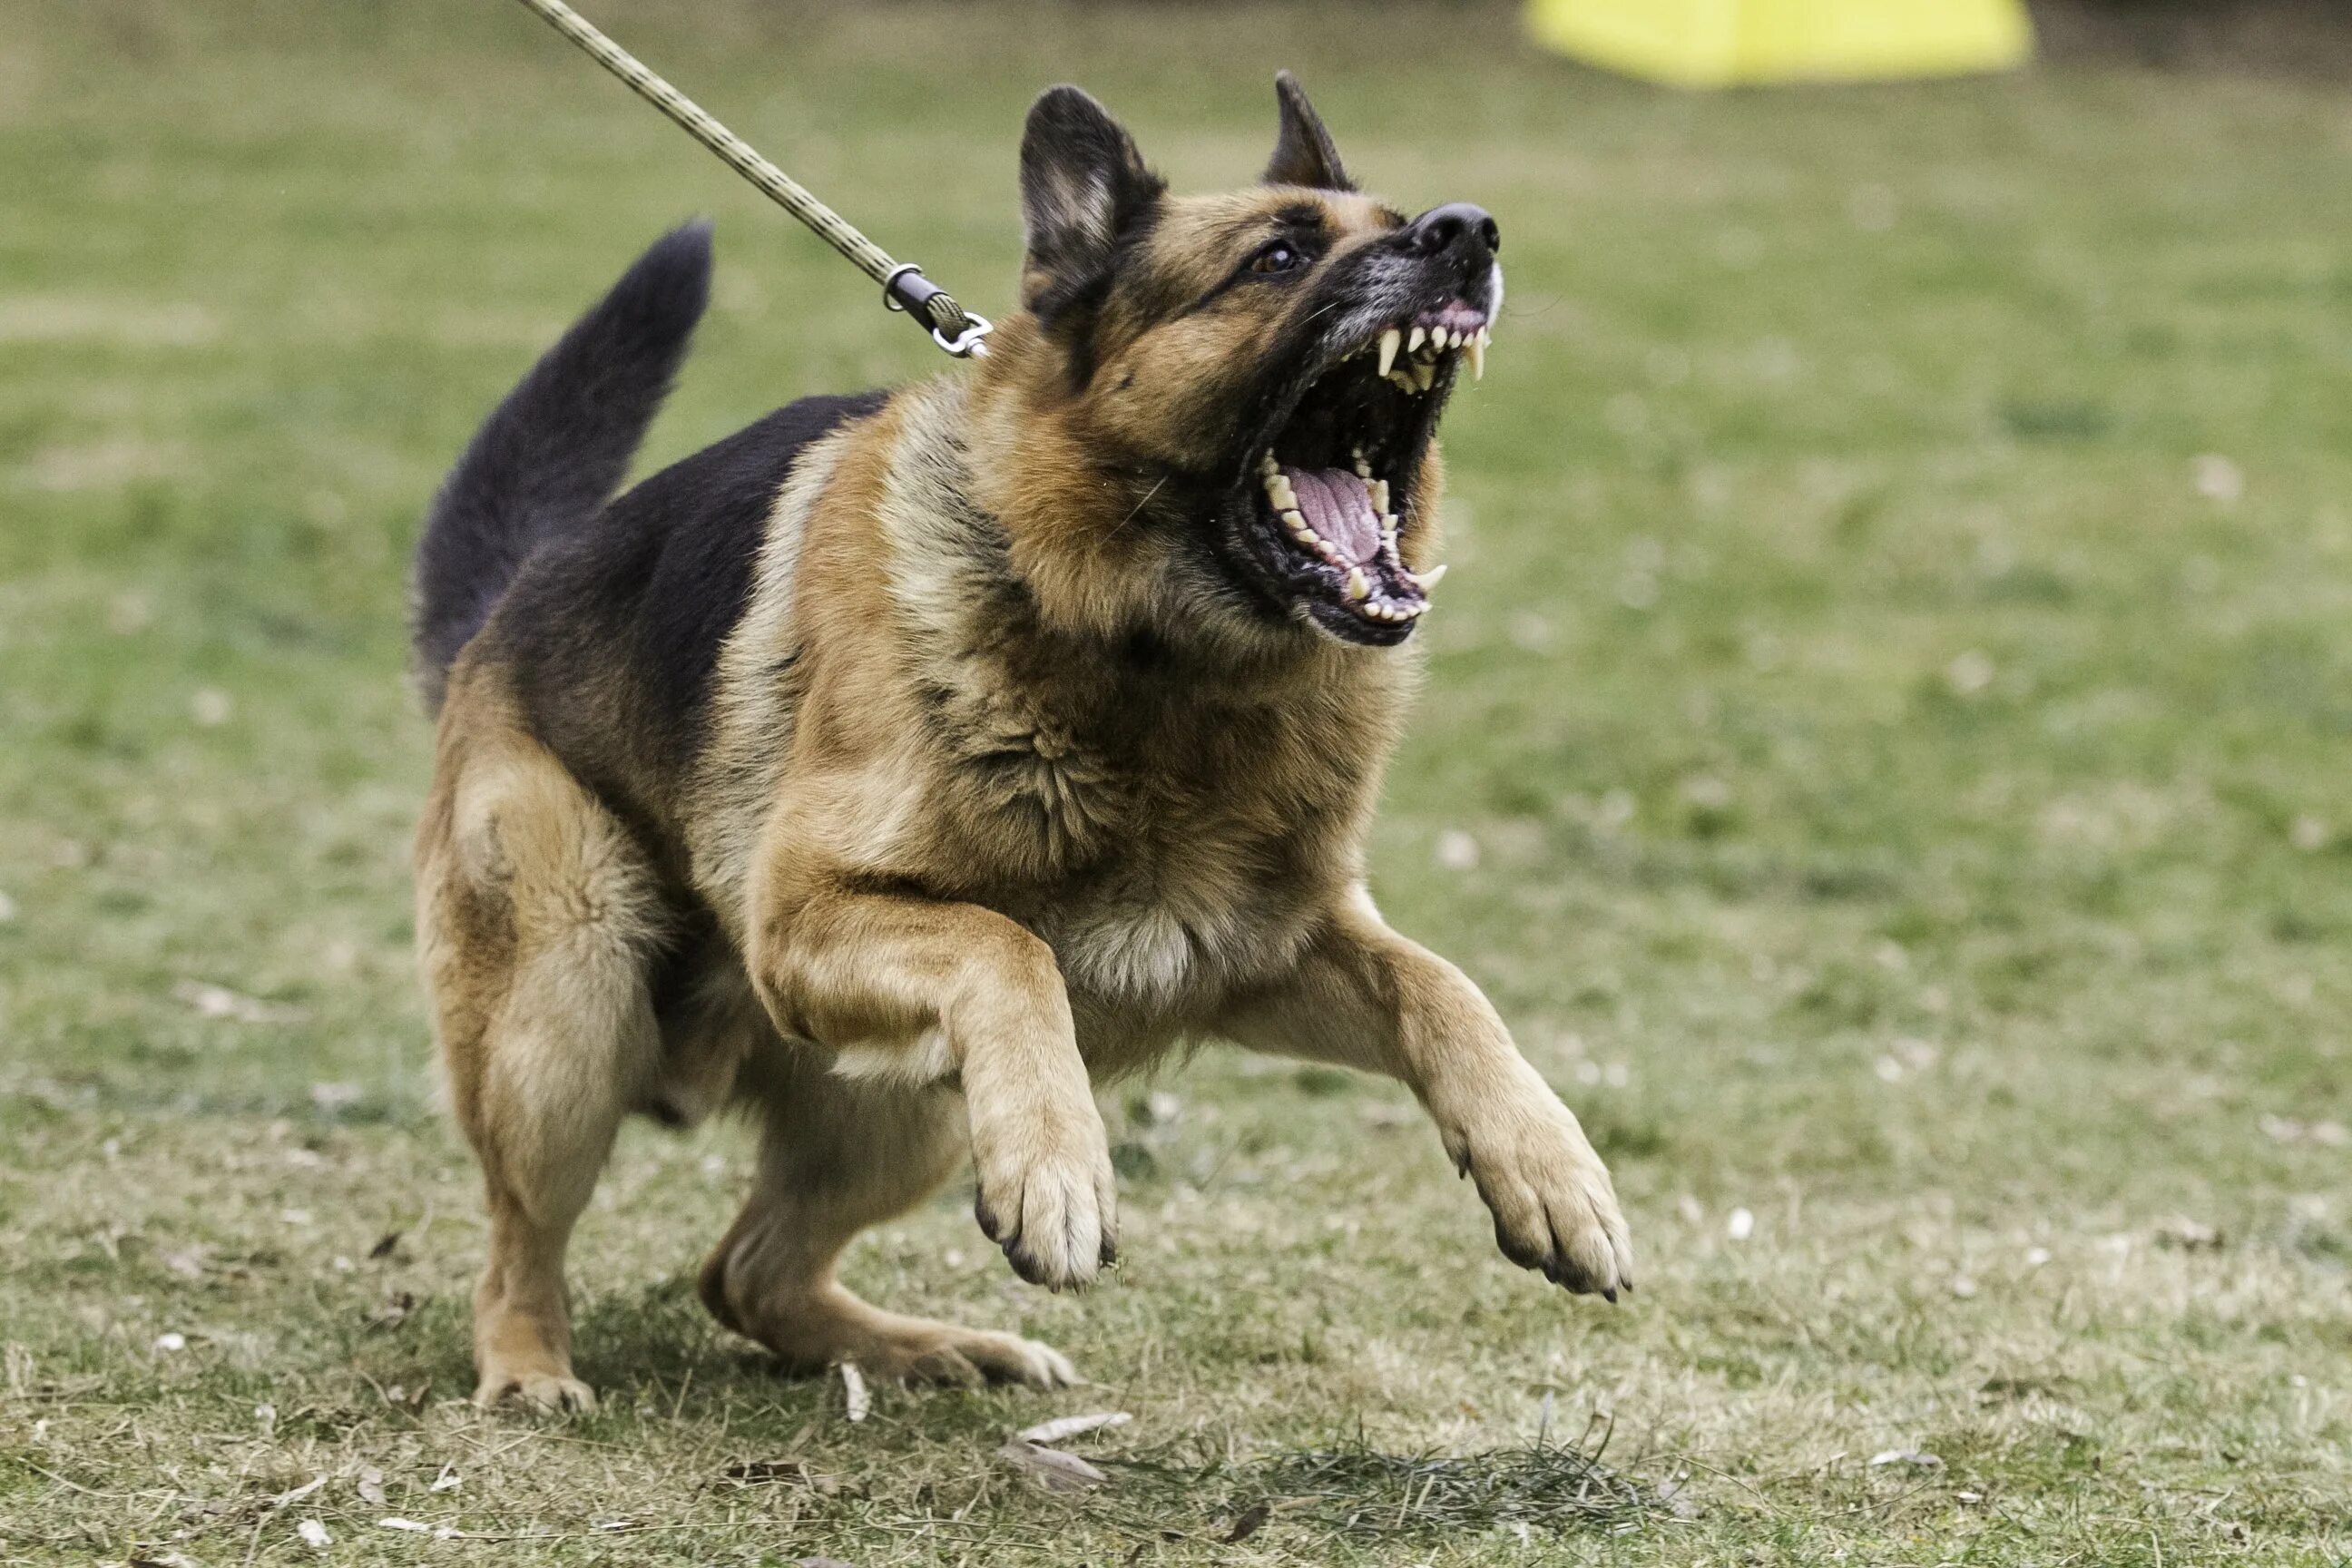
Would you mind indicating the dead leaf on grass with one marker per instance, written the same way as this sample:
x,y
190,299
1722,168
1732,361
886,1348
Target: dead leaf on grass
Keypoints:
x,y
384,1245
371,1486
1064,1427
1914,1457
1050,1468
286,1500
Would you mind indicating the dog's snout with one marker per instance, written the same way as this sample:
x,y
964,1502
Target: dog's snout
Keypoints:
x,y
1453,228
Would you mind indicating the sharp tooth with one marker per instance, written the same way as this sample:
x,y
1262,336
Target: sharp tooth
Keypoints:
x,y
1267,466
1478,356
1402,380
1390,341
1379,490
1414,346
1425,375
1427,580
1297,523
1284,498
1358,585
1363,469
1413,612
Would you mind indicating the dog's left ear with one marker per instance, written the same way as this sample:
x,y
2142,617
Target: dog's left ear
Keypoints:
x,y
1303,153
1082,184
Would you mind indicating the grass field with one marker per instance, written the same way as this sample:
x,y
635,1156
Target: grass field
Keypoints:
x,y
1885,754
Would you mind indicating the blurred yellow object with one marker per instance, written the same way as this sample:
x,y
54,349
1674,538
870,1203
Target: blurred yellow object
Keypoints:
x,y
1725,43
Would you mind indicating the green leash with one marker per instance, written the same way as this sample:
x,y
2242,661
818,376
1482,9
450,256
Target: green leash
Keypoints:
x,y
960,331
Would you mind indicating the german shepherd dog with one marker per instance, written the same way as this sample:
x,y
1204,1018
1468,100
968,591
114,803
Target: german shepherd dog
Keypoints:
x,y
904,762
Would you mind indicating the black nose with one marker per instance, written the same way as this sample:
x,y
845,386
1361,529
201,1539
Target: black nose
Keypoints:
x,y
1455,227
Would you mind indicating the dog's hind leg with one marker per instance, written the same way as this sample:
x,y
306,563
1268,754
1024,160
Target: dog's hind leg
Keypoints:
x,y
836,1157
536,914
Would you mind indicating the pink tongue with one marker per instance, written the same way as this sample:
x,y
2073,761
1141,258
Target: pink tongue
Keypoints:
x,y
1337,507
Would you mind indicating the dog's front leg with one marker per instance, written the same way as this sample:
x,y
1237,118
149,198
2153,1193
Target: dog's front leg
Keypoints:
x,y
912,990
1362,996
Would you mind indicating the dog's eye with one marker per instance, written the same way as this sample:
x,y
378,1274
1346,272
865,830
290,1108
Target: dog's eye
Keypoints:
x,y
1279,256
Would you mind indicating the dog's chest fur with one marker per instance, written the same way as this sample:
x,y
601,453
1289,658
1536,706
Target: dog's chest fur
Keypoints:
x,y
1169,835
1167,818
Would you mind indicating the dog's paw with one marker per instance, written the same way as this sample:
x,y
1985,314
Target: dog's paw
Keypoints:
x,y
1047,1197
541,1393
1554,1205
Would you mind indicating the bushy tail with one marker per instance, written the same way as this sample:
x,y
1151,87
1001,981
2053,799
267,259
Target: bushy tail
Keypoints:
x,y
557,448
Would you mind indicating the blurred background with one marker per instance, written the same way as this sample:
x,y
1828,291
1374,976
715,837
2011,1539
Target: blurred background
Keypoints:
x,y
1885,752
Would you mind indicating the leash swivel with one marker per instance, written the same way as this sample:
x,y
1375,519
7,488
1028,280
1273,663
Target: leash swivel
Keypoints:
x,y
957,331
908,291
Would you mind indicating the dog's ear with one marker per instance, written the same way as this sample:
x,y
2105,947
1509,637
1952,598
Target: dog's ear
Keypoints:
x,y
1082,184
1303,153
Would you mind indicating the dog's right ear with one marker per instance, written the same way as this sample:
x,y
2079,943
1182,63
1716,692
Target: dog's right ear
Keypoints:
x,y
1082,184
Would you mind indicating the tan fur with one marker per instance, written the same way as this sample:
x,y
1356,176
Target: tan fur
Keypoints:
x,y
970,850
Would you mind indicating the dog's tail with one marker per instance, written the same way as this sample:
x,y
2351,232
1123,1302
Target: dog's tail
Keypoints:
x,y
554,451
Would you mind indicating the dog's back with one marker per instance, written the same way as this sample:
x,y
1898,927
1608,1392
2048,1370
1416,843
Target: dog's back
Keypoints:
x,y
607,618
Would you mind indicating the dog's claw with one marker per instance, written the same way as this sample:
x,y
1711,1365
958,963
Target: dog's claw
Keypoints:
x,y
1052,1209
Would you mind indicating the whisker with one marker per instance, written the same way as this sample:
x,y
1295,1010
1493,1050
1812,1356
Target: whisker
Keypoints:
x,y
1141,504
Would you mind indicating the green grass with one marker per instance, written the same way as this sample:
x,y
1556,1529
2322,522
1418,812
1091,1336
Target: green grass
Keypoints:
x,y
1895,685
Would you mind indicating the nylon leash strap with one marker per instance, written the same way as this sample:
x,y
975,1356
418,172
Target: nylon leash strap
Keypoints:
x,y
960,333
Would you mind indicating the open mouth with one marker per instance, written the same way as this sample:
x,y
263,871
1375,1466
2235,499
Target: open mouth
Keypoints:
x,y
1335,478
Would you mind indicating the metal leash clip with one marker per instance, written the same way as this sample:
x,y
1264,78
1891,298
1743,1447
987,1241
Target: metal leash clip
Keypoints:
x,y
907,290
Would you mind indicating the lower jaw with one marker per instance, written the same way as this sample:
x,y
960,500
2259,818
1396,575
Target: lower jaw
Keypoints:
x,y
1346,625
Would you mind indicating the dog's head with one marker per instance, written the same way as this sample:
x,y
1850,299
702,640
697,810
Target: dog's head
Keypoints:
x,y
1254,377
